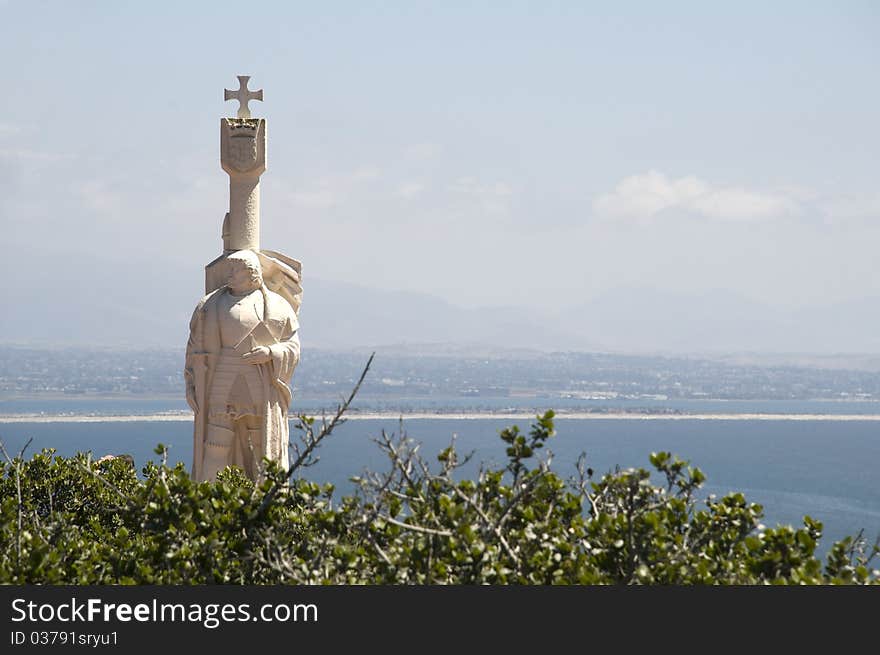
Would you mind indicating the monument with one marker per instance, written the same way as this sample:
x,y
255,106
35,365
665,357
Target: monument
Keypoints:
x,y
244,334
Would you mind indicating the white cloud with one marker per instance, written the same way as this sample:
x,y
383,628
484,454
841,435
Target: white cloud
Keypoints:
x,y
33,155
332,190
366,173
471,185
643,197
855,208
98,196
316,199
493,197
408,191
422,151
8,129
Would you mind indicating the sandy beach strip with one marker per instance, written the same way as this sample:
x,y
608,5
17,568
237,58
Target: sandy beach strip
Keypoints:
x,y
458,416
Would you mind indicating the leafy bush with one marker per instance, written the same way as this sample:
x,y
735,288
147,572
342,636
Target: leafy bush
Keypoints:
x,y
78,521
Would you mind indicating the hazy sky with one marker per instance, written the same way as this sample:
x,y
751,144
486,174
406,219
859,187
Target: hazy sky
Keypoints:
x,y
530,154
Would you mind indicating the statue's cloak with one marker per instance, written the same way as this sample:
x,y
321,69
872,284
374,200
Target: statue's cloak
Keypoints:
x,y
202,352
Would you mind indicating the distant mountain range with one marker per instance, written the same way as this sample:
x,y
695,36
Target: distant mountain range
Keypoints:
x,y
107,310
340,315
628,320
724,322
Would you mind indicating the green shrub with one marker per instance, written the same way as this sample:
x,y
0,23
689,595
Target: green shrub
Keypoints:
x,y
77,521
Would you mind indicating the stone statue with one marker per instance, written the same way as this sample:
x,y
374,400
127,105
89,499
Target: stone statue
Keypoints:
x,y
243,344
243,348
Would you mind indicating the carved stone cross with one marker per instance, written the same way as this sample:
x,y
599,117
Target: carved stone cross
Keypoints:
x,y
243,96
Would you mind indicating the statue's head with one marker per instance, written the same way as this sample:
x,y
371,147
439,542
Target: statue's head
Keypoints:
x,y
245,272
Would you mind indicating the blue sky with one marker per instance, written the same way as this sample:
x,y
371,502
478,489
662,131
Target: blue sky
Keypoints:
x,y
528,154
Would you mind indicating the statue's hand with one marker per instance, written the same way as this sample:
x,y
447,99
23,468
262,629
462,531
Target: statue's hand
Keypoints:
x,y
259,355
191,398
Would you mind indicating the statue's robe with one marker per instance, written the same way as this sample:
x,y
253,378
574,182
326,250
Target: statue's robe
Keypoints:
x,y
271,395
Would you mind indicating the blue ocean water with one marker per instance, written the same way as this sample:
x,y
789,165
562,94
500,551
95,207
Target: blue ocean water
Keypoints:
x,y
825,468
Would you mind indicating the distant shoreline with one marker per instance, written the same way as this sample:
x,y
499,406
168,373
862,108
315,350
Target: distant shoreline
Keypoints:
x,y
460,416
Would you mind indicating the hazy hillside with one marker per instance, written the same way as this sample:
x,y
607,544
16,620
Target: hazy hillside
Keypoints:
x,y
339,315
96,301
652,320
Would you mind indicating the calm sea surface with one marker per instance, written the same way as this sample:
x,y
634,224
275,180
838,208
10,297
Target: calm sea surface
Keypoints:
x,y
825,468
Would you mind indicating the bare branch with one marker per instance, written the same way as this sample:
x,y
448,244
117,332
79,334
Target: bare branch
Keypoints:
x,y
492,526
20,452
524,490
416,528
16,464
404,466
107,483
326,429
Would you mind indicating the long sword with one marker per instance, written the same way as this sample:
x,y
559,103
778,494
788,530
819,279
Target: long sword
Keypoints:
x,y
200,373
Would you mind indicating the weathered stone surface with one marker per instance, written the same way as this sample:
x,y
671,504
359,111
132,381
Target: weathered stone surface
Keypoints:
x,y
243,157
244,343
